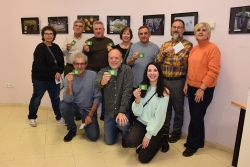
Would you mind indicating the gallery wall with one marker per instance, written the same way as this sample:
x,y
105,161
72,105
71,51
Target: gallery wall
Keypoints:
x,y
17,49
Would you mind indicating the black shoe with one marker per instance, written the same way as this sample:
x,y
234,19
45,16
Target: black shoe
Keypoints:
x,y
78,118
124,145
165,145
174,138
102,117
138,149
69,136
188,153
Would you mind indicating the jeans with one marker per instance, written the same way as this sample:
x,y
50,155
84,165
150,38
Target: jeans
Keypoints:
x,y
111,129
39,88
135,137
196,129
69,110
176,102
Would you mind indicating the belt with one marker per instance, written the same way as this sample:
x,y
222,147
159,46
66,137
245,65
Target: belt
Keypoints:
x,y
174,78
69,64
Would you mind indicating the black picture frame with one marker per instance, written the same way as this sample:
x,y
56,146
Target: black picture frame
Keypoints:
x,y
155,23
88,20
30,25
190,19
239,21
116,23
60,24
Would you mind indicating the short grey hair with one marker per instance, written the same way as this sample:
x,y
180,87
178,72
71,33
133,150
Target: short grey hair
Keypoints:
x,y
80,55
98,22
79,21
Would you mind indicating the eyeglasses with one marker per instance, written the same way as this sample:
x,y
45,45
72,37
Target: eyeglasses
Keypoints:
x,y
79,64
48,33
174,27
78,26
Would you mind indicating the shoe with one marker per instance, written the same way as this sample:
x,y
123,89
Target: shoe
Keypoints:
x,y
69,136
102,117
32,122
61,121
138,149
124,145
78,118
188,153
165,145
174,138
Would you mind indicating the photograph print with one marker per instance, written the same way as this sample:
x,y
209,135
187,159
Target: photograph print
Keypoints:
x,y
239,20
88,20
60,24
155,23
30,25
115,24
190,19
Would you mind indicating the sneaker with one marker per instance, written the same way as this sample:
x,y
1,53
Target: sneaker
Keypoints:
x,y
124,145
174,138
32,122
61,121
165,145
69,136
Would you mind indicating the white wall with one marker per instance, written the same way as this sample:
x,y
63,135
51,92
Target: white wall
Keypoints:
x,y
17,49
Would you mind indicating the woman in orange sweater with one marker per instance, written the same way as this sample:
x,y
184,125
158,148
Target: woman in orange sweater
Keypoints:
x,y
203,71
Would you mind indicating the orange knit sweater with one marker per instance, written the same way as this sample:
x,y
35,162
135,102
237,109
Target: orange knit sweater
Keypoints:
x,y
204,65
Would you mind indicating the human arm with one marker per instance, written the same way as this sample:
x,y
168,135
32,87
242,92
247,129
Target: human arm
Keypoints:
x,y
68,88
100,80
65,47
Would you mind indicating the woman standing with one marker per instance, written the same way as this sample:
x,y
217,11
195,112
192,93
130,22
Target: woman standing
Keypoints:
x,y
203,71
150,107
47,67
126,35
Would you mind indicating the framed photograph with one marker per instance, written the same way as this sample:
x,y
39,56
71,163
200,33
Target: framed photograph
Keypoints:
x,y
190,19
239,20
155,23
30,25
88,20
60,24
116,23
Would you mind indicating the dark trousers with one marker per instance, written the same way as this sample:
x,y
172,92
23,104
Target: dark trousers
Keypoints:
x,y
135,137
68,68
176,102
196,129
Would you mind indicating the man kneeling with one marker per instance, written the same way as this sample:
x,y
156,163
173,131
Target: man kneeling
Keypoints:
x,y
80,98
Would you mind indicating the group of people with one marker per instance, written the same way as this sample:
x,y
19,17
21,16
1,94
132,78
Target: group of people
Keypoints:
x,y
139,85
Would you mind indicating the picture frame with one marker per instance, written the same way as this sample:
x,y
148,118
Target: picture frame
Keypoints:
x,y
116,23
88,20
30,25
239,21
190,19
60,24
155,23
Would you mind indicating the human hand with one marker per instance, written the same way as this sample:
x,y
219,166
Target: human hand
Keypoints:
x,y
57,76
68,46
88,120
86,47
109,48
121,119
137,94
168,49
199,95
185,89
135,55
70,78
105,78
145,142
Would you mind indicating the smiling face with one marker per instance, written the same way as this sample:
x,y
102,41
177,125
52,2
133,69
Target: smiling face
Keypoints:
x,y
78,28
144,35
152,74
202,34
126,36
80,64
177,30
98,30
115,59
48,36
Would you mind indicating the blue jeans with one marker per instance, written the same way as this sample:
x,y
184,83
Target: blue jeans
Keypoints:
x,y
69,110
39,88
112,128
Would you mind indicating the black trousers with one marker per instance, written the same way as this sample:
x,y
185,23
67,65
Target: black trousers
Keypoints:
x,y
135,137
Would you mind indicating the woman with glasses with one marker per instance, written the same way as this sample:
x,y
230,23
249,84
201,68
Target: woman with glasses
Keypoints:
x,y
47,67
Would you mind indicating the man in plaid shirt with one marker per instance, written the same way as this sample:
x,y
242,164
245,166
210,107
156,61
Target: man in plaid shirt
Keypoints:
x,y
174,66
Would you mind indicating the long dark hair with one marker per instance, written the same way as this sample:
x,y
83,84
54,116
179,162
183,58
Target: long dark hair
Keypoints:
x,y
160,83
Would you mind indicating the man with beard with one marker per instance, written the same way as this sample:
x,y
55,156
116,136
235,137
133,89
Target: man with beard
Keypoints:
x,y
174,67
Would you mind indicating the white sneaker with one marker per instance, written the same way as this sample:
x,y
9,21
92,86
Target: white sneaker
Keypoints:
x,y
32,122
61,121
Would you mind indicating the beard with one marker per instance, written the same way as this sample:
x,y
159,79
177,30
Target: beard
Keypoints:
x,y
176,37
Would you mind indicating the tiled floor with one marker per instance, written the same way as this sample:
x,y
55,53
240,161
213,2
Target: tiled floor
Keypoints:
x,y
43,146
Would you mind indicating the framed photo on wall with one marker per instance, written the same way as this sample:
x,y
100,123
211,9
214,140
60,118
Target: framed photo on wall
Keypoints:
x,y
116,23
60,24
88,20
239,20
190,19
155,23
30,25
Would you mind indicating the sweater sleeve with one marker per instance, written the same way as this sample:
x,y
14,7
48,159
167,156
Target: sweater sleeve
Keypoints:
x,y
137,109
67,98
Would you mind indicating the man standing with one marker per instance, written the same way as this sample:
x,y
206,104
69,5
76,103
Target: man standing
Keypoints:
x,y
116,81
174,66
73,44
80,98
97,52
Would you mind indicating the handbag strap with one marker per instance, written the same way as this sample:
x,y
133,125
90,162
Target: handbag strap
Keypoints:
x,y
149,100
53,56
126,54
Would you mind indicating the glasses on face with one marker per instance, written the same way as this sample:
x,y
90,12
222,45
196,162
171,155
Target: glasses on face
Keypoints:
x,y
79,64
80,26
174,27
48,33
